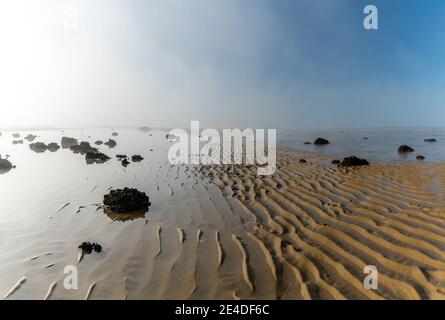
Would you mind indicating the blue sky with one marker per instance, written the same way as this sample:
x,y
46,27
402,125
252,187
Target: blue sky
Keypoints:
x,y
250,63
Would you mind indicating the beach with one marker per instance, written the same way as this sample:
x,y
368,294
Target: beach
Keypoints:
x,y
218,231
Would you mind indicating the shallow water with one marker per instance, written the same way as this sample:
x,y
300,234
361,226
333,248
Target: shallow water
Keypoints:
x,y
199,239
381,145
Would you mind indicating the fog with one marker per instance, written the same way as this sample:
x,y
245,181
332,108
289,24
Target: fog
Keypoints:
x,y
269,64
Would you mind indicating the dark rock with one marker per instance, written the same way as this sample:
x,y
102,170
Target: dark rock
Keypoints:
x,y
335,161
365,138
88,247
68,142
404,149
125,162
420,157
307,142
30,137
96,157
5,165
83,148
137,158
121,156
114,134
53,147
17,141
98,143
430,140
303,161
126,200
353,161
38,147
321,141
110,143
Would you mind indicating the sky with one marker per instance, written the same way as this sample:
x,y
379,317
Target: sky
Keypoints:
x,y
254,63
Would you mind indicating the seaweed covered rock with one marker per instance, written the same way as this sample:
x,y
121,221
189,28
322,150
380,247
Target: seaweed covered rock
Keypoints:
x,y
353,161
68,142
137,158
96,157
110,143
88,247
38,147
404,149
126,200
321,141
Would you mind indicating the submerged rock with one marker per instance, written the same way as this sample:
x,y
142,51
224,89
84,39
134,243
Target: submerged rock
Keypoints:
x,y
353,161
30,137
126,200
321,141
137,158
89,247
110,143
38,147
404,149
114,134
96,157
430,140
17,141
98,143
68,142
307,142
420,157
16,135
53,147
365,138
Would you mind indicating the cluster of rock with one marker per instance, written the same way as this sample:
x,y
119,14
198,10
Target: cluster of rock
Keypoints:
x,y
126,200
123,158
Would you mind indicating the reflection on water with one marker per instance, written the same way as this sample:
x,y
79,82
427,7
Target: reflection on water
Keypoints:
x,y
124,217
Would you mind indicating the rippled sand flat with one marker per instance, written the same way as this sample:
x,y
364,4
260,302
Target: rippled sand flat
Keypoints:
x,y
219,232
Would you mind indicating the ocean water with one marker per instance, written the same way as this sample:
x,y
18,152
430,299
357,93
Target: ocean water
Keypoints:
x,y
381,145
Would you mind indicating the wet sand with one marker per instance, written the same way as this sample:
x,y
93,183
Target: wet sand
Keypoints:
x,y
222,232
